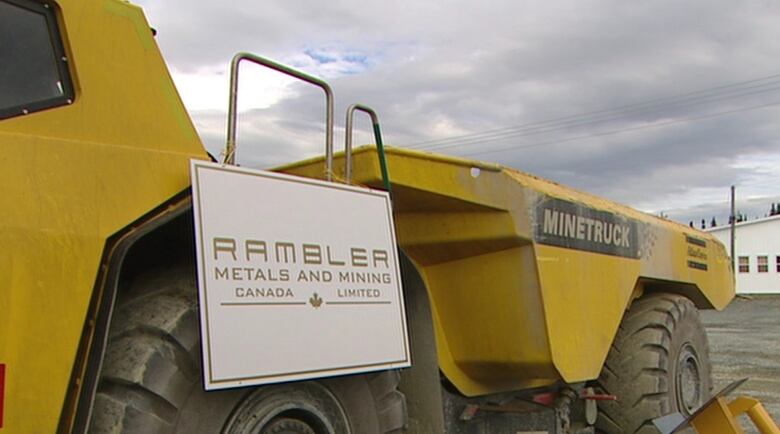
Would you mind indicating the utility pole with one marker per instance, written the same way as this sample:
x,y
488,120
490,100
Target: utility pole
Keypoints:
x,y
733,229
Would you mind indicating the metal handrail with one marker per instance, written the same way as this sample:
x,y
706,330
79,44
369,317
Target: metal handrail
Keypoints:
x,y
377,138
230,147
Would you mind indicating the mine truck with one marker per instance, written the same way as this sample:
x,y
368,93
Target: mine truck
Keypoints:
x,y
520,305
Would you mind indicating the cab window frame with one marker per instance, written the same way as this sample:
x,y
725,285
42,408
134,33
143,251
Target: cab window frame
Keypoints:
x,y
49,12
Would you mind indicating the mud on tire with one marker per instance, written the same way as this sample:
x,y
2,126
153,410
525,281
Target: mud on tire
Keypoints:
x,y
658,364
150,380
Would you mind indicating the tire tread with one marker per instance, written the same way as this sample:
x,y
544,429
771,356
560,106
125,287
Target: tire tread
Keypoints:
x,y
150,364
639,370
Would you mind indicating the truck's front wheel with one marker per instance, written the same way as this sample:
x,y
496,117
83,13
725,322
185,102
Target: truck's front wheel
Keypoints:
x,y
658,364
151,379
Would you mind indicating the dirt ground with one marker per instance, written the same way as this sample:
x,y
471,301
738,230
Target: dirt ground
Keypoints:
x,y
745,342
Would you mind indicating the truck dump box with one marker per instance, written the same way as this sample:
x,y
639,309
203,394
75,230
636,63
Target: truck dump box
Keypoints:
x,y
529,280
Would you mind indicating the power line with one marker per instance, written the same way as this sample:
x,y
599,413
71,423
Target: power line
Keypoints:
x,y
718,93
741,202
623,130
775,182
681,97
741,185
568,125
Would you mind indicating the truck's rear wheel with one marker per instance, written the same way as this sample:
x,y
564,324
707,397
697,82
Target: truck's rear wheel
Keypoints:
x,y
658,364
151,379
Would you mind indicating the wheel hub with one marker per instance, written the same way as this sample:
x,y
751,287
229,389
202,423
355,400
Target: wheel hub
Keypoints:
x,y
688,383
287,426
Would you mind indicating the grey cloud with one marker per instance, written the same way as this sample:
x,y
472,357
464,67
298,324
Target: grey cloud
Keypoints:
x,y
438,69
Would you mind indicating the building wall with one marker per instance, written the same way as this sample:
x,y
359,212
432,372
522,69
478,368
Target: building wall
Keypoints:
x,y
754,239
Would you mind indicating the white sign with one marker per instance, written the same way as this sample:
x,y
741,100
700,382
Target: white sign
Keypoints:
x,y
297,278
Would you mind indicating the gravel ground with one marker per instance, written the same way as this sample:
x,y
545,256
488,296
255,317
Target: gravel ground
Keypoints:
x,y
745,342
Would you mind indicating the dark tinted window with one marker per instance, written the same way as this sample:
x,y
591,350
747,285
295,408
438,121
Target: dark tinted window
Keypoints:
x,y
33,71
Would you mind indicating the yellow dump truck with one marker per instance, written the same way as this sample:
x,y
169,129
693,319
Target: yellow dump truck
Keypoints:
x,y
530,306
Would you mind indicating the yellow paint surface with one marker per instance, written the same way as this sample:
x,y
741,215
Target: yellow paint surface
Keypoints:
x,y
509,311
71,177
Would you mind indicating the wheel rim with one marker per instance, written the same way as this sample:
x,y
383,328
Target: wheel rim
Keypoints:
x,y
304,408
688,383
285,419
287,426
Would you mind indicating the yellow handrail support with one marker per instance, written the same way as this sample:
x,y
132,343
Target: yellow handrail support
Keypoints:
x,y
716,418
756,412
721,418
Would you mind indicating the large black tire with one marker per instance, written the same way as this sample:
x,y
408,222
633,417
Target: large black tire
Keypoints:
x,y
150,381
658,364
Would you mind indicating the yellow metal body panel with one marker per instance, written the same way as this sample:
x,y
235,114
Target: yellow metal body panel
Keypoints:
x,y
515,303
719,417
71,177
716,419
757,413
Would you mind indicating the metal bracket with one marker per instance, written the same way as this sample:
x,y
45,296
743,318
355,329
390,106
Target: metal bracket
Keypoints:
x,y
230,147
717,416
377,137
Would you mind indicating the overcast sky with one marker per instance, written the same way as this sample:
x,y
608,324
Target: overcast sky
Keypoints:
x,y
661,105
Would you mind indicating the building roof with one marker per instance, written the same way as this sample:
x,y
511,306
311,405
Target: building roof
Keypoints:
x,y
744,223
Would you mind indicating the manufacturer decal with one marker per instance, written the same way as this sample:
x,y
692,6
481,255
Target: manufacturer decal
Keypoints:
x,y
697,253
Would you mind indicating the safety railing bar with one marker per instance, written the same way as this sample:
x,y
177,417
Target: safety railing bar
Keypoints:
x,y
377,137
230,147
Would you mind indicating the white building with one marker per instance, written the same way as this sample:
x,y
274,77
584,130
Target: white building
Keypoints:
x,y
758,254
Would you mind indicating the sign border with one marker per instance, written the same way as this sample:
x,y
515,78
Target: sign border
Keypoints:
x,y
196,166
